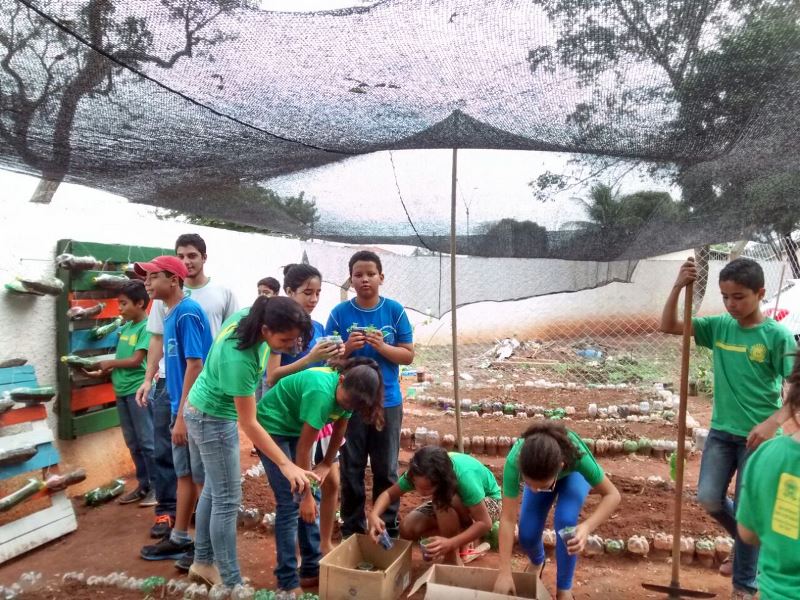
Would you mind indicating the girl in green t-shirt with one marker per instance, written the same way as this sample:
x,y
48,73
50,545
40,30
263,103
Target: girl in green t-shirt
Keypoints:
x,y
293,412
555,466
465,501
768,513
222,395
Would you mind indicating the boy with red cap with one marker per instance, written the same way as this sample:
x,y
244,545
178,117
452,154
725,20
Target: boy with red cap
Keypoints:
x,y
218,303
187,339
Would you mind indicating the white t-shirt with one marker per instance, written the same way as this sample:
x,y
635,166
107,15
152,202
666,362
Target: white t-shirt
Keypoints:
x,y
217,301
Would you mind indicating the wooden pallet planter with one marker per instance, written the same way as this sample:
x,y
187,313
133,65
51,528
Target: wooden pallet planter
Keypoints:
x,y
53,515
88,406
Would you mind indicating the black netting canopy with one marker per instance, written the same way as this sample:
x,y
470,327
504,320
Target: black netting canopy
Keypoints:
x,y
194,105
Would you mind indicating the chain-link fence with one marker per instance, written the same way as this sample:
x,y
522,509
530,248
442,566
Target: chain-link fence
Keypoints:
x,y
606,336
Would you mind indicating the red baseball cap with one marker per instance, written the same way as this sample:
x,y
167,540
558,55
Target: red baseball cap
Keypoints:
x,y
173,264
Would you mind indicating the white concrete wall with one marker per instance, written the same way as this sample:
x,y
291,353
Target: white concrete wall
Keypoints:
x,y
28,235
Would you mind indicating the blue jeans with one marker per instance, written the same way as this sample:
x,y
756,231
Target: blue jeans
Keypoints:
x,y
289,526
723,455
217,443
569,495
136,423
164,481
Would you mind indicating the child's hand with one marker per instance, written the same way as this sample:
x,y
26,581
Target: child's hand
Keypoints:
x,y
504,584
179,433
143,392
323,351
104,365
687,273
375,339
94,374
298,478
308,508
356,341
375,526
321,471
761,433
439,546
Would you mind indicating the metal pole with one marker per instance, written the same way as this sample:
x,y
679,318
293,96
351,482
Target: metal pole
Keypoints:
x,y
453,303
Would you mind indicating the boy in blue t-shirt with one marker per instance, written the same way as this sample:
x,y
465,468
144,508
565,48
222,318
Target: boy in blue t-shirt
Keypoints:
x,y
187,339
377,328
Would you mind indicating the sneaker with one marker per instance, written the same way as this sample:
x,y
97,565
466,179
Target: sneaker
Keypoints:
x,y
726,568
166,549
162,527
205,574
149,499
134,496
185,562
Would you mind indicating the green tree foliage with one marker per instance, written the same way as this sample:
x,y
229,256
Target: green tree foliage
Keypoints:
x,y
270,212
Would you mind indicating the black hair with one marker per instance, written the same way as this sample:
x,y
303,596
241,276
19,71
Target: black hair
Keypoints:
x,y
278,314
136,292
366,256
744,271
297,274
363,383
191,239
546,450
793,393
434,464
271,283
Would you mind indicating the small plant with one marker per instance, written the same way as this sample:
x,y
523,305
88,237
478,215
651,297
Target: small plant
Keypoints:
x,y
152,586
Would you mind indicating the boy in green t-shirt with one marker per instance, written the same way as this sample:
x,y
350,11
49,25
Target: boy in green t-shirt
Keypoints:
x,y
127,374
751,355
769,507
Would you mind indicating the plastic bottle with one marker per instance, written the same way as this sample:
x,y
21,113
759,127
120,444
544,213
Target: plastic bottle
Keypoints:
x,y
100,495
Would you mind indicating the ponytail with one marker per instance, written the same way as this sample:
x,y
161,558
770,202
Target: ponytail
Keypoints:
x,y
363,383
546,448
278,314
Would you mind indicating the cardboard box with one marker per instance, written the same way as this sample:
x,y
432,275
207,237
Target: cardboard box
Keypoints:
x,y
445,582
340,580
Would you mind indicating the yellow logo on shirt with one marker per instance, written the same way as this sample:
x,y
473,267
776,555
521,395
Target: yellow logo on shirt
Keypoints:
x,y
132,339
786,514
758,353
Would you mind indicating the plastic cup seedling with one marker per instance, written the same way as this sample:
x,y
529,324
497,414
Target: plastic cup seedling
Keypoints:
x,y
423,544
566,534
385,541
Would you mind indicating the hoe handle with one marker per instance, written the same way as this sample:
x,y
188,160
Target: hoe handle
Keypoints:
x,y
685,347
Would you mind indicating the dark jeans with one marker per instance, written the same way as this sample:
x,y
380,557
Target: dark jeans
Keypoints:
x,y
289,527
164,481
723,455
382,448
136,423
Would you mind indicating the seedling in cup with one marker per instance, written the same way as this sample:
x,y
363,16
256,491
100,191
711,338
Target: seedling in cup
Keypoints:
x,y
385,541
423,544
566,533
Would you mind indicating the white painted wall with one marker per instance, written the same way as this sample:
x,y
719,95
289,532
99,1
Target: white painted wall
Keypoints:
x,y
28,236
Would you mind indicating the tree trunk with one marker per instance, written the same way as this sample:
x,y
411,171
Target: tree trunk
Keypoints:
x,y
46,189
701,256
737,249
790,247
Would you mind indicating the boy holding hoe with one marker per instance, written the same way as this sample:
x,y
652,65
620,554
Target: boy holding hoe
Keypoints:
x,y
751,355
